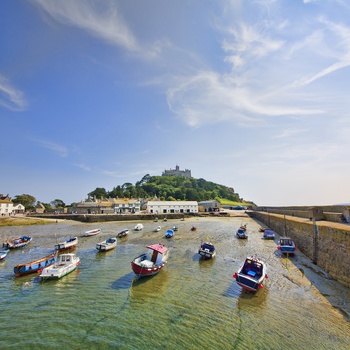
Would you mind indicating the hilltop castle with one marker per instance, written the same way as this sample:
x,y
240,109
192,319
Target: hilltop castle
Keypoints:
x,y
177,172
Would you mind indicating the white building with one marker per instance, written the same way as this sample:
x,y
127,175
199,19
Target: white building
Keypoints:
x,y
18,209
166,207
6,205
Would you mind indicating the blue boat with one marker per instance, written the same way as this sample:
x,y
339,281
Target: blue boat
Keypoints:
x,y
35,265
286,245
169,233
17,242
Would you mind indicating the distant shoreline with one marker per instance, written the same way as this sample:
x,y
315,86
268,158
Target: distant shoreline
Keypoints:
x,y
24,221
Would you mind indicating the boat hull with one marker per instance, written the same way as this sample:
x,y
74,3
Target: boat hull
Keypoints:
x,y
206,255
248,283
287,250
143,271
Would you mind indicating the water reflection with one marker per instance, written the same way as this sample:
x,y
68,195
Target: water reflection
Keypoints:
x,y
145,288
123,282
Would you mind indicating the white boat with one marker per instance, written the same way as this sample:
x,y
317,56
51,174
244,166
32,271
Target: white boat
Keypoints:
x,y
157,229
108,244
92,232
138,227
68,244
66,263
251,274
123,233
3,253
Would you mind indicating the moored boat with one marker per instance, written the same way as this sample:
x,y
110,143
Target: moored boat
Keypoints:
x,y
157,229
35,265
286,245
70,243
94,232
241,233
269,234
151,262
251,274
169,234
207,250
123,233
193,228
175,228
138,227
108,244
3,253
19,242
66,263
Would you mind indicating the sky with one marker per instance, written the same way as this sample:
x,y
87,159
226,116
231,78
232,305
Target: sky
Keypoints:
x,y
250,94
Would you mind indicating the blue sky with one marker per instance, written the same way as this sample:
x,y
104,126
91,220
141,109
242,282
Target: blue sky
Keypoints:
x,y
253,95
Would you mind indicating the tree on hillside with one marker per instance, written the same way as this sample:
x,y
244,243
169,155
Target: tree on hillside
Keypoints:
x,y
26,200
58,203
99,193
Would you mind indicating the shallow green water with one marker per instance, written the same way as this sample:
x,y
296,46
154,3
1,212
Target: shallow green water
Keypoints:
x,y
190,304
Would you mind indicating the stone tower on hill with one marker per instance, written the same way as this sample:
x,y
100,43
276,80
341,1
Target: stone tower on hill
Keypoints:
x,y
177,172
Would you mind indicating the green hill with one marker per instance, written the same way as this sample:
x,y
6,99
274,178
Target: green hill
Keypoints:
x,y
172,188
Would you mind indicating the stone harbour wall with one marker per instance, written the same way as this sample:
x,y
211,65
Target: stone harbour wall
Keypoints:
x,y
327,244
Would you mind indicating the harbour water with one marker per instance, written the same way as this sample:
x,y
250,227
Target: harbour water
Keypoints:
x,y
190,304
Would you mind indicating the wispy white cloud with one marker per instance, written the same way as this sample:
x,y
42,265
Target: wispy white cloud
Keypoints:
x,y
83,167
209,97
101,19
10,97
340,52
54,147
246,42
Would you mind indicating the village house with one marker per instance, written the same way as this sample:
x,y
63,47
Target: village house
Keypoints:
x,y
209,206
8,208
6,205
106,206
18,209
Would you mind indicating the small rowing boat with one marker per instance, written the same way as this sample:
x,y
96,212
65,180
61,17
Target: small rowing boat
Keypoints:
x,y
92,232
108,244
19,242
35,265
70,243
3,253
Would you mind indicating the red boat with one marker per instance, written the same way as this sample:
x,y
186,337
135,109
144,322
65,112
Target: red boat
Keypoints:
x,y
151,262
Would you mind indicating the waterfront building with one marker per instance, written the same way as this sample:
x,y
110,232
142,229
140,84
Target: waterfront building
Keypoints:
x,y
106,206
209,206
166,207
6,205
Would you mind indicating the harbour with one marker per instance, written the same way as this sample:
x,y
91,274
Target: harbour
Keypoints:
x,y
190,304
